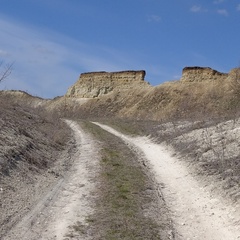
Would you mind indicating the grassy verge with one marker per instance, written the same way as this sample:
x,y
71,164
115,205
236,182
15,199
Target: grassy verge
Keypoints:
x,y
128,204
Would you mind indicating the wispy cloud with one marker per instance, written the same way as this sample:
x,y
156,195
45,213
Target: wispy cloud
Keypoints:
x,y
223,12
218,1
238,7
47,63
154,18
197,8
35,70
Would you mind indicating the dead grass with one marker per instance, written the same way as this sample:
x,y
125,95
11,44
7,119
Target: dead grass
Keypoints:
x,y
213,150
31,142
170,101
28,135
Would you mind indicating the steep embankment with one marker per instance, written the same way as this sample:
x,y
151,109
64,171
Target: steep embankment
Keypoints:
x,y
30,144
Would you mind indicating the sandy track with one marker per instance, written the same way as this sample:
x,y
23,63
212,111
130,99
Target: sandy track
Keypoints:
x,y
69,201
196,214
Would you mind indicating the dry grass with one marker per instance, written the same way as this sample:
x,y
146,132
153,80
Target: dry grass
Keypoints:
x,y
29,135
170,101
213,151
31,143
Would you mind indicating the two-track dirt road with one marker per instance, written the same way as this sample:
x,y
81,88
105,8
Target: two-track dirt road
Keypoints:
x,y
195,214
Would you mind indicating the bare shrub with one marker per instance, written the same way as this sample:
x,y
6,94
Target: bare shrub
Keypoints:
x,y
6,70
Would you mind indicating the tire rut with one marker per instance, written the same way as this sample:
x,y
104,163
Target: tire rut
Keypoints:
x,y
195,213
69,201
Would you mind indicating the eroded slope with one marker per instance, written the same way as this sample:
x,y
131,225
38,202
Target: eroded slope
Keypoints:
x,y
30,143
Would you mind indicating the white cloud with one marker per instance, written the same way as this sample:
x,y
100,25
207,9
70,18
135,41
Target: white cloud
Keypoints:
x,y
197,8
223,12
154,18
47,63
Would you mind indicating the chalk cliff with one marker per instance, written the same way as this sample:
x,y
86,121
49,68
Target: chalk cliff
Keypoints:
x,y
95,84
200,74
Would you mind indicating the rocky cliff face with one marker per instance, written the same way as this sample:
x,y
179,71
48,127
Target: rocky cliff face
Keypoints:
x,y
95,84
200,74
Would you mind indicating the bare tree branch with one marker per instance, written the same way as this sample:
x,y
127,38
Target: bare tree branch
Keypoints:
x,y
7,70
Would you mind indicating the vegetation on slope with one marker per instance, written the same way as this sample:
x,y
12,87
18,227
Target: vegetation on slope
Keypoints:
x,y
31,142
169,101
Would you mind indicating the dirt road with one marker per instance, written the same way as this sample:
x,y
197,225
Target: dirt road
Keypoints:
x,y
68,201
195,213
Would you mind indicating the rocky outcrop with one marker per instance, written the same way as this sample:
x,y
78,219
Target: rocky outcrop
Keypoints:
x,y
200,74
95,84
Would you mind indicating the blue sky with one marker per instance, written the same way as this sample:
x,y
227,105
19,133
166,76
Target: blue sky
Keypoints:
x,y
52,41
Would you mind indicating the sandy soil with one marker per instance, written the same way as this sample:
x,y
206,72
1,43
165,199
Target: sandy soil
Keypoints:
x,y
68,201
195,212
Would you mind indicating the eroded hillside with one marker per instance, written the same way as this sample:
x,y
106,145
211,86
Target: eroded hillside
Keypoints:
x,y
199,93
31,141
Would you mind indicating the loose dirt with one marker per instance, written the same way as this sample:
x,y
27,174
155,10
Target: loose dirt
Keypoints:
x,y
68,201
195,212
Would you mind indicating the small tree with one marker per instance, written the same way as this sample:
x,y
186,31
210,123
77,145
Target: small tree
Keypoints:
x,y
5,70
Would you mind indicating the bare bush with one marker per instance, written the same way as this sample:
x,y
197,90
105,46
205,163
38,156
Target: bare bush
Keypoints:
x,y
6,70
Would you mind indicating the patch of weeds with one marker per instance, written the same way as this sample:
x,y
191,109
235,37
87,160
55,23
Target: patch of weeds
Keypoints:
x,y
77,229
90,220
